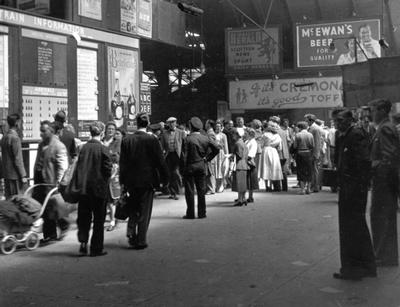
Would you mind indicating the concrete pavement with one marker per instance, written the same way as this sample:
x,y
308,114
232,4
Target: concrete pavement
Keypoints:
x,y
279,251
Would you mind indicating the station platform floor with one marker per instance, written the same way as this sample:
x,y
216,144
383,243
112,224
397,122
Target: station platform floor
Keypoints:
x,y
279,251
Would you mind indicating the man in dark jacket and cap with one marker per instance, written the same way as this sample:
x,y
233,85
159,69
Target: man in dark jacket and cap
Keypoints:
x,y
92,174
67,137
198,149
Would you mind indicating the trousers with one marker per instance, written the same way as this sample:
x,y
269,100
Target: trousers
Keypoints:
x,y
91,208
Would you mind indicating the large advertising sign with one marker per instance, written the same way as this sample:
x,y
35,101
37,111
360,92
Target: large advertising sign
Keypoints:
x,y
145,20
313,42
90,9
128,16
123,84
252,50
286,93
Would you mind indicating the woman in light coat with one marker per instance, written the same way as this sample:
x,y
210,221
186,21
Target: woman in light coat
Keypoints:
x,y
270,165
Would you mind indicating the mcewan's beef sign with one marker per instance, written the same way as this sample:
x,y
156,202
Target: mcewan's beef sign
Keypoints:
x,y
313,42
286,93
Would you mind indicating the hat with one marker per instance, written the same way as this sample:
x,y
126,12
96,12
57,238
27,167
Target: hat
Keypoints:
x,y
275,119
60,116
171,119
310,117
196,123
155,127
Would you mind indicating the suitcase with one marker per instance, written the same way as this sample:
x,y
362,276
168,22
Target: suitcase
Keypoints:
x,y
329,177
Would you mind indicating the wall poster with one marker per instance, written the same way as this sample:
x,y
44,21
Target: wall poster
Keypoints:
x,y
38,104
128,16
123,84
90,9
145,98
87,84
313,42
3,75
252,50
324,92
144,21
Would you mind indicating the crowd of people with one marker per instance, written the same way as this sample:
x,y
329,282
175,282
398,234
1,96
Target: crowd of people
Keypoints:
x,y
206,159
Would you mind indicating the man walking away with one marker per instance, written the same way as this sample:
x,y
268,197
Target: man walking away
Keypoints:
x,y
13,165
385,153
141,164
198,150
93,172
316,132
356,251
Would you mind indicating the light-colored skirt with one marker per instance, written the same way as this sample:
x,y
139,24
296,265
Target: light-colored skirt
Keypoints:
x,y
270,165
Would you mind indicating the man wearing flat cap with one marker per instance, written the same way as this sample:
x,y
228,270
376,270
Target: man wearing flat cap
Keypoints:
x,y
316,132
198,149
171,142
385,154
142,165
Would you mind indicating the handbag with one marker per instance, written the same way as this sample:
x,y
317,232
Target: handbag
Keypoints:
x,y
121,207
71,192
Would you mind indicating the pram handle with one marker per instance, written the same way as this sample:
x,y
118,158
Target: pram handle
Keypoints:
x,y
51,192
38,185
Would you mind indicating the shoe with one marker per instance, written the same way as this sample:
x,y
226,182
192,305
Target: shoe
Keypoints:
x,y
83,249
111,227
48,240
186,217
238,204
250,200
140,246
98,254
202,216
347,276
244,203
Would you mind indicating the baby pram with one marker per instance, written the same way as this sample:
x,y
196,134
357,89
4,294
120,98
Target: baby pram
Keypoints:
x,y
20,220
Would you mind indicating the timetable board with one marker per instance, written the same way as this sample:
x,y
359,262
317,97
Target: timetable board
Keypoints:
x,y
39,104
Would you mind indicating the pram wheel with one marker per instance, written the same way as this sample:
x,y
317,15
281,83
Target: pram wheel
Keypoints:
x,y
32,241
8,245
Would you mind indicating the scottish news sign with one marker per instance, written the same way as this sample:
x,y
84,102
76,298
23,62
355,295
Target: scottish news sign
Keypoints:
x,y
313,42
286,93
250,51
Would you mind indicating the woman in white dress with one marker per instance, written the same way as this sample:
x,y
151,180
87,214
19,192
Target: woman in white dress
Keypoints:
x,y
222,159
270,166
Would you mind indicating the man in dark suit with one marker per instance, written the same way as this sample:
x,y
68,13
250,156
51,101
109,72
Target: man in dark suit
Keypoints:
x,y
198,150
356,251
93,172
13,165
385,154
171,142
141,164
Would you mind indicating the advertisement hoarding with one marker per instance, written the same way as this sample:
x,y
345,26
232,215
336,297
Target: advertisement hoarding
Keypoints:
x,y
123,84
90,9
313,42
252,50
145,18
324,92
128,16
